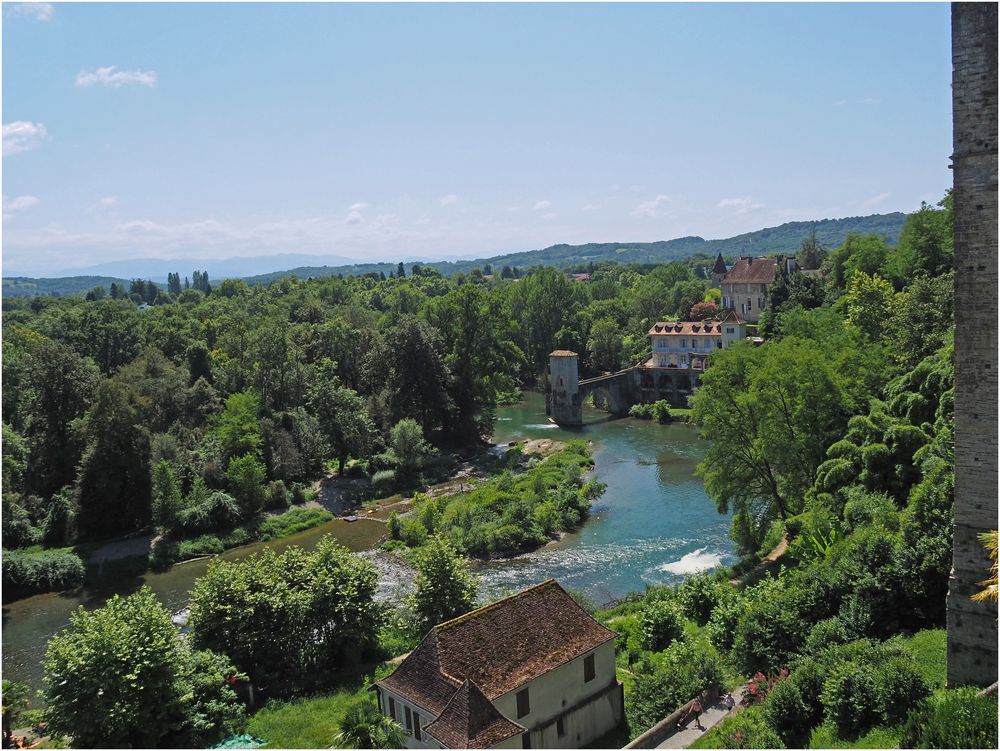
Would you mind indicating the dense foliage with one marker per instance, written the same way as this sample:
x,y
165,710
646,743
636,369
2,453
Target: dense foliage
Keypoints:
x,y
508,514
121,677
290,621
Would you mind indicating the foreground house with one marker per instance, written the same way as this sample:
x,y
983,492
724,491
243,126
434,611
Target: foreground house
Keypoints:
x,y
532,670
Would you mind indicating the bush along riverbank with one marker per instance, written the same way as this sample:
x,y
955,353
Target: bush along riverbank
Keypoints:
x,y
525,507
37,570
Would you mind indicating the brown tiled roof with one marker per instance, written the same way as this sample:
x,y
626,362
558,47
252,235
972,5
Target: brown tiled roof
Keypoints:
x,y
730,316
720,265
420,679
500,647
749,270
685,327
471,721
562,353
504,645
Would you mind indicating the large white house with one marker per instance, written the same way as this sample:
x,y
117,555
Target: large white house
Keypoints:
x,y
532,670
687,344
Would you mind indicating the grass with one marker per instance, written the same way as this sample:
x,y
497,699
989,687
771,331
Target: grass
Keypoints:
x,y
930,649
825,736
310,722
290,522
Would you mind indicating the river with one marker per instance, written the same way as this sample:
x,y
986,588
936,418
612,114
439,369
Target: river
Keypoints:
x,y
653,524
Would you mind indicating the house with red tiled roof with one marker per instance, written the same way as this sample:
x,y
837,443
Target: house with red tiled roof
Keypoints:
x,y
687,344
533,670
745,286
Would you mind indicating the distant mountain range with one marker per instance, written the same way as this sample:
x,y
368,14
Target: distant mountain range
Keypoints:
x,y
785,238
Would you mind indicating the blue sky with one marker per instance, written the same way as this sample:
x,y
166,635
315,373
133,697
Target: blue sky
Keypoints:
x,y
424,131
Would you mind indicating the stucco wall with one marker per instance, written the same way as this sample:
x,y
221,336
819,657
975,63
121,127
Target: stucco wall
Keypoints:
x,y
972,627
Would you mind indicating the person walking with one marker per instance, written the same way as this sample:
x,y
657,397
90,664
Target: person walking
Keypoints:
x,y
696,710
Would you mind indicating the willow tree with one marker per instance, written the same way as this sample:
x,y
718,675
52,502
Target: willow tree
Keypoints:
x,y
769,413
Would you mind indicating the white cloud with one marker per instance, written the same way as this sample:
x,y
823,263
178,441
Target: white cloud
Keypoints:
x,y
22,135
354,217
744,205
513,208
653,207
111,76
541,205
590,207
38,11
875,200
20,203
422,221
109,201
360,206
17,205
840,103
550,215
448,200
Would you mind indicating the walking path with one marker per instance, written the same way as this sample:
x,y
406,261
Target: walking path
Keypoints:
x,y
712,716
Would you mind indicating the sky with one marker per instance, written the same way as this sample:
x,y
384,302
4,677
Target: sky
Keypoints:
x,y
387,132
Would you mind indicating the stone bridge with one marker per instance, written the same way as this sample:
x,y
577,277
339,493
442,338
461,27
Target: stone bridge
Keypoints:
x,y
614,392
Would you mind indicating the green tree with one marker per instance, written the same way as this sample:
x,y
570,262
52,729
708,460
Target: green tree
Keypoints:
x,y
926,243
237,426
113,486
292,620
481,358
342,414
444,587
605,345
120,677
167,498
46,386
364,726
869,304
245,475
405,371
769,413
408,447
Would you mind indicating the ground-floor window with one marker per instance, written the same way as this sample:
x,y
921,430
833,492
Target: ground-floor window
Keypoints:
x,y
416,726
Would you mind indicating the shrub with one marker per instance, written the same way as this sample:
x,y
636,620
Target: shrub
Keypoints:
x,y
900,687
199,546
851,699
219,511
864,508
18,531
290,522
300,494
278,496
953,719
746,729
661,411
384,481
699,596
641,411
31,572
662,624
668,680
787,712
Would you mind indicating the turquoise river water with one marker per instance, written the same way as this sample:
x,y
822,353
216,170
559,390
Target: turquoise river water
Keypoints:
x,y
654,524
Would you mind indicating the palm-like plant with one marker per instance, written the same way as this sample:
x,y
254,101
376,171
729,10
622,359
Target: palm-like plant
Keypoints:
x,y
364,726
989,594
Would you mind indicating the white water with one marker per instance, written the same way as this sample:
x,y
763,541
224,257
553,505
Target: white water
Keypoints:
x,y
692,563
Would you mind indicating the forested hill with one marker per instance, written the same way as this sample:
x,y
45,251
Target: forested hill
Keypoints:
x,y
785,238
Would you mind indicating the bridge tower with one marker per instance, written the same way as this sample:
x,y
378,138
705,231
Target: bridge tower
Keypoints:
x,y
564,400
